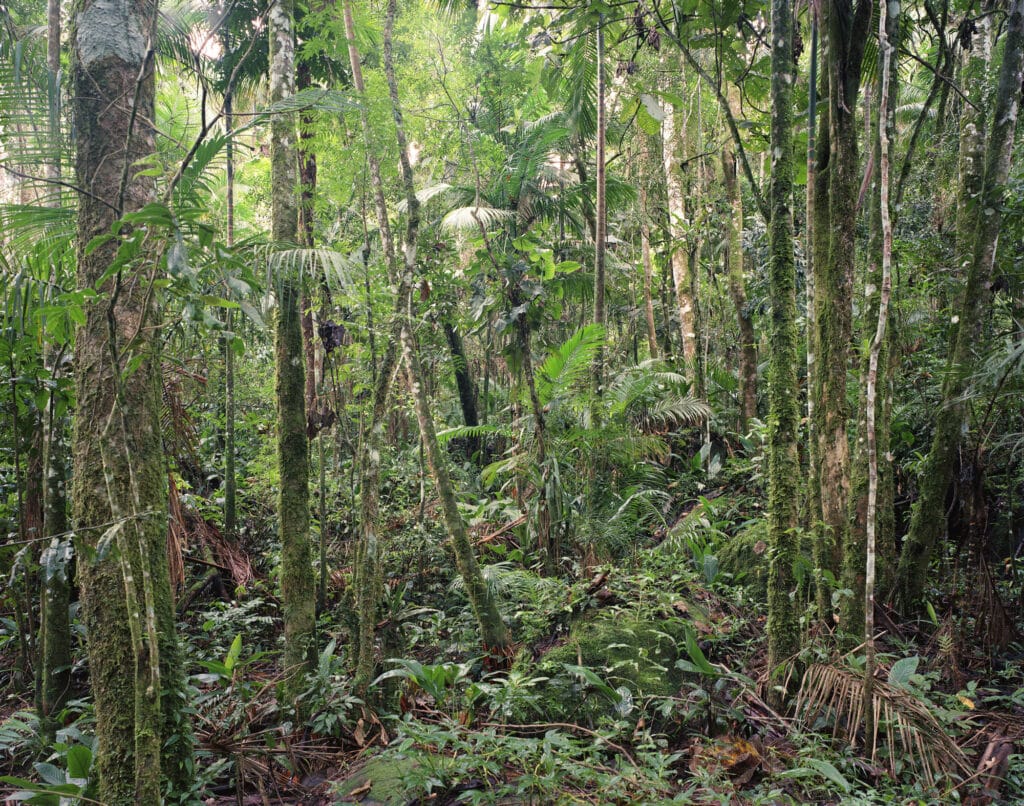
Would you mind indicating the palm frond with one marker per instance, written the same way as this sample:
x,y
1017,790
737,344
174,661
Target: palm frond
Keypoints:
x,y
471,218
470,432
568,364
336,266
830,695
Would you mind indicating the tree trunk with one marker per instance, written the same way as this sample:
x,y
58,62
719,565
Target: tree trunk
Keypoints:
x,y
493,632
645,255
672,148
869,446
738,293
601,222
928,518
230,480
120,492
465,385
298,589
887,28
56,561
846,32
783,407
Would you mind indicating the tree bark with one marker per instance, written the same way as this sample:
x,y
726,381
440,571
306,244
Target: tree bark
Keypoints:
x,y
298,589
845,28
783,407
601,220
120,493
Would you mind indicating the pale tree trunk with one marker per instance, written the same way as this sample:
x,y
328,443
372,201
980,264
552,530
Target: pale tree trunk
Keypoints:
x,y
298,589
854,553
645,256
928,519
672,154
887,27
120,493
783,404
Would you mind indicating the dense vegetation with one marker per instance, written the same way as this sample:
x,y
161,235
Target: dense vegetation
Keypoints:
x,y
532,403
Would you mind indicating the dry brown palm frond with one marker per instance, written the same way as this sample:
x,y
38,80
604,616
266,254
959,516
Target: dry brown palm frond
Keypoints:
x,y
903,723
177,536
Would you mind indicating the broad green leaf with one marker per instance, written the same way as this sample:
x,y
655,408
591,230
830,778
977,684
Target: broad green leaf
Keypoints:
x,y
902,670
79,761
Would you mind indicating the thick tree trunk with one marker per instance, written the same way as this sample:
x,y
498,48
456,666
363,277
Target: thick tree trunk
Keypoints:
x,y
846,32
928,519
120,492
783,404
298,589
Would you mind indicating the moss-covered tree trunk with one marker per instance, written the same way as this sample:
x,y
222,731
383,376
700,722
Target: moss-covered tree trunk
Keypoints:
x,y
120,494
55,568
928,518
783,402
846,31
298,590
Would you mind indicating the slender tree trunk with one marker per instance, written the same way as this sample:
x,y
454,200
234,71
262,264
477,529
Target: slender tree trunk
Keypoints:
x,y
120,492
493,632
57,559
645,255
601,223
298,589
869,446
928,518
672,148
783,404
56,563
887,27
738,293
230,480
464,383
